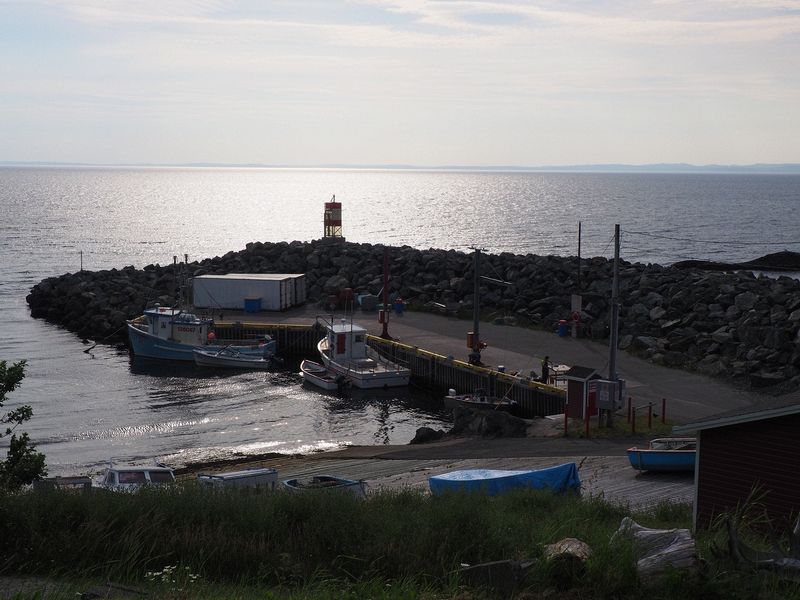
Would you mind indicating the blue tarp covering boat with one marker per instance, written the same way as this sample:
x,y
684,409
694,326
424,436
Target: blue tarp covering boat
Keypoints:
x,y
494,481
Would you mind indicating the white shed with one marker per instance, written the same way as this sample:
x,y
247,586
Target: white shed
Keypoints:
x,y
251,292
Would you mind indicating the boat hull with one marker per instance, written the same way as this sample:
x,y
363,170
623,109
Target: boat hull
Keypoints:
x,y
146,345
221,359
646,459
494,482
316,374
488,403
150,346
366,378
326,483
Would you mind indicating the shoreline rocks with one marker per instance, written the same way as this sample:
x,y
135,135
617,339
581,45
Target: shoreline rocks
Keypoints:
x,y
725,324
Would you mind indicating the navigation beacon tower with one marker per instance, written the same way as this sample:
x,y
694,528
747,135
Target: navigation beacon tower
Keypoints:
x,y
333,220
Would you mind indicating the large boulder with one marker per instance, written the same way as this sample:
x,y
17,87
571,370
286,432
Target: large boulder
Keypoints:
x,y
487,423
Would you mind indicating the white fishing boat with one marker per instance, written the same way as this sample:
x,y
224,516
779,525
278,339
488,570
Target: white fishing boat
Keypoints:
x,y
173,334
344,351
318,375
229,358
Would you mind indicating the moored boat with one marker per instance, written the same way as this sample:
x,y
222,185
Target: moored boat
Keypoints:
x,y
480,401
665,454
558,479
318,375
344,351
230,358
172,334
326,483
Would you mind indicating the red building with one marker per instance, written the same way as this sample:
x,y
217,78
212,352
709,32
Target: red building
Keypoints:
x,y
744,450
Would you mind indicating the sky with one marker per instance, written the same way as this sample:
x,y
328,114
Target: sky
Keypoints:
x,y
416,82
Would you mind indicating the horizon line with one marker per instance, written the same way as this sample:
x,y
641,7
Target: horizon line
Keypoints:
x,y
777,168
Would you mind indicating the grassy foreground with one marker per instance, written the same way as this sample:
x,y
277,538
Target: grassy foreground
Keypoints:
x,y
186,542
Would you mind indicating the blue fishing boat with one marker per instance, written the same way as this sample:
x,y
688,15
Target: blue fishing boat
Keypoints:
x,y
665,454
558,479
173,334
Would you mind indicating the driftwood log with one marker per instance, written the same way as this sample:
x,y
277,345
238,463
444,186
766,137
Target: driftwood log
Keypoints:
x,y
658,549
784,561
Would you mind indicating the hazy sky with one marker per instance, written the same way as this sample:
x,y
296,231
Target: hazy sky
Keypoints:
x,y
424,82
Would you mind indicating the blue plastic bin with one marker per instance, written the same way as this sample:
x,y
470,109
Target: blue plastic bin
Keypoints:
x,y
563,328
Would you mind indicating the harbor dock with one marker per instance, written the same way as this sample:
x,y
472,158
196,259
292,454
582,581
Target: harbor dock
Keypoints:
x,y
689,396
603,465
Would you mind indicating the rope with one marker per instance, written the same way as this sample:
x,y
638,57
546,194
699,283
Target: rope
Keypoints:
x,y
104,339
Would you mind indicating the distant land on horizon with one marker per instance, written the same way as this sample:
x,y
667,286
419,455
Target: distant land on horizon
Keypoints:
x,y
677,168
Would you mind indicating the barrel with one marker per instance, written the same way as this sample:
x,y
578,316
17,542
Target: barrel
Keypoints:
x,y
563,328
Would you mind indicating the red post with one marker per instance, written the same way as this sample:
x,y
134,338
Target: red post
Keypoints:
x,y
650,416
633,420
629,409
663,410
566,422
586,409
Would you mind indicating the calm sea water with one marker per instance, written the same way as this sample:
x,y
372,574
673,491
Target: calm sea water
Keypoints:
x,y
89,407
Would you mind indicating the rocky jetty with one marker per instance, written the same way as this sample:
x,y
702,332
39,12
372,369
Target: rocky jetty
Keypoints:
x,y
727,324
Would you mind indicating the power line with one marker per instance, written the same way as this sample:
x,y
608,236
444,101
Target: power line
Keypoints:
x,y
721,243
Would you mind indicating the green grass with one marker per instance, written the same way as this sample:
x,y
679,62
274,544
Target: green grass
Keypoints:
x,y
621,427
389,546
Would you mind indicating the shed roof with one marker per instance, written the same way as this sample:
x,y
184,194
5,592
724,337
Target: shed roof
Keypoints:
x,y
578,372
780,406
253,276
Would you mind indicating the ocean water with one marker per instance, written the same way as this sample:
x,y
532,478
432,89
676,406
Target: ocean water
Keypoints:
x,y
89,407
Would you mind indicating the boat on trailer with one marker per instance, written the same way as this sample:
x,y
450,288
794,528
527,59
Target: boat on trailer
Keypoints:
x,y
319,483
665,454
173,334
344,351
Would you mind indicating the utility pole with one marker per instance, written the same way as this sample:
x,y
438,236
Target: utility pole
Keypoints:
x,y
579,257
475,355
385,333
612,360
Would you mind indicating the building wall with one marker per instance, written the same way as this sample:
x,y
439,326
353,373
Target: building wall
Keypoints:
x,y
736,458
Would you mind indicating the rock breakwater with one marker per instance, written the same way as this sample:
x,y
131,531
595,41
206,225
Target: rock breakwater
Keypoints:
x,y
727,324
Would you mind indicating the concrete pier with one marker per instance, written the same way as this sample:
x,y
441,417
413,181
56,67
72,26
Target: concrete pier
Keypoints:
x,y
689,396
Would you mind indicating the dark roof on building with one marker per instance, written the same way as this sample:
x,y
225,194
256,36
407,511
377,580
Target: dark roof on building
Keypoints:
x,y
779,406
582,373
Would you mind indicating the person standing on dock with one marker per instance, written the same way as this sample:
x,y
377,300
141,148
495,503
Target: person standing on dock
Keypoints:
x,y
545,369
